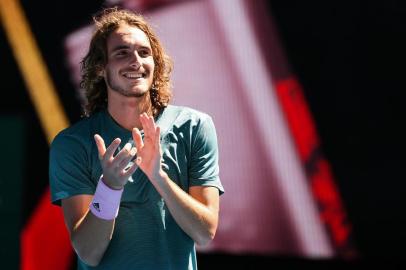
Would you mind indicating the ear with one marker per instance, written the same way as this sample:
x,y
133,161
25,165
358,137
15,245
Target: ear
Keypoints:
x,y
101,72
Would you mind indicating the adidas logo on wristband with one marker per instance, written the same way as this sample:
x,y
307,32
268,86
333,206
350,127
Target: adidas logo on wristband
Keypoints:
x,y
96,206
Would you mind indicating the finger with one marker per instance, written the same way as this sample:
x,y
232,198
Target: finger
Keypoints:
x,y
111,149
101,147
124,162
130,170
138,161
121,156
151,125
137,138
158,140
158,136
143,120
133,151
124,165
146,125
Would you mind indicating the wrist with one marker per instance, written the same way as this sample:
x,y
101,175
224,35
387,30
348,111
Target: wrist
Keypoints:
x,y
109,185
106,201
159,176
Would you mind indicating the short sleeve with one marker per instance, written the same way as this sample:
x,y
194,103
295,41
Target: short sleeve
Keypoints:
x,y
204,167
69,173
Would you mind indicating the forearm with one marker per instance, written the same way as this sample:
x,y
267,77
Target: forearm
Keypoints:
x,y
90,237
196,219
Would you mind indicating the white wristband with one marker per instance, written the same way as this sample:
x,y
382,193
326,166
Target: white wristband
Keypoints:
x,y
106,201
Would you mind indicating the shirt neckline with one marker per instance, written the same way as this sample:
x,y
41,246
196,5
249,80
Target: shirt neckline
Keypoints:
x,y
118,128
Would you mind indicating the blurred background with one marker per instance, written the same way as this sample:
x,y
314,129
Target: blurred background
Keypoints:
x,y
307,98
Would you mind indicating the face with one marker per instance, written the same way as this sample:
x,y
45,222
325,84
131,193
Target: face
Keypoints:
x,y
130,65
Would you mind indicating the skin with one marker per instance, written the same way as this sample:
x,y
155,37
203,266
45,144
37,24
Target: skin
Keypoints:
x,y
195,211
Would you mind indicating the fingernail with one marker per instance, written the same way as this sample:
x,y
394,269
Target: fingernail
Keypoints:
x,y
127,147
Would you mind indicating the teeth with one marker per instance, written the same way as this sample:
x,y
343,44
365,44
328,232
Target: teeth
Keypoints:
x,y
133,75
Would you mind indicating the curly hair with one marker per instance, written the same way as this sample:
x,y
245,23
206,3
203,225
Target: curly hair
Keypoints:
x,y
93,84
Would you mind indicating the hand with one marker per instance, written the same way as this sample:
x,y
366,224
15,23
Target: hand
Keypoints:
x,y
149,151
114,173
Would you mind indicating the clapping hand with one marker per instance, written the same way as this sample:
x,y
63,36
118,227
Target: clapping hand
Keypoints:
x,y
115,170
149,151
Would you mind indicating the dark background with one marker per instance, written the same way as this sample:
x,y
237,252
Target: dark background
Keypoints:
x,y
349,58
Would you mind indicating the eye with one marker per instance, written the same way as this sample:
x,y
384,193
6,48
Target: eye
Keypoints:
x,y
144,53
121,53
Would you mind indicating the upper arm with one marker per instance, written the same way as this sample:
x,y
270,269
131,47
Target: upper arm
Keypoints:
x,y
75,209
70,171
207,195
203,168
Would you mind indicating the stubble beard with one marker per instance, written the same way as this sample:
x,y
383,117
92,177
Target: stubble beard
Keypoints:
x,y
116,88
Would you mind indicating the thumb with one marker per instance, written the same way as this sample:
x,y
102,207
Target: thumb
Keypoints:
x,y
101,147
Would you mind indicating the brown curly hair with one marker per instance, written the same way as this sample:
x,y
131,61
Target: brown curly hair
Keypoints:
x,y
95,88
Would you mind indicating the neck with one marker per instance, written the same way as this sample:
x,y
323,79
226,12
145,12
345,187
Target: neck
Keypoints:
x,y
126,110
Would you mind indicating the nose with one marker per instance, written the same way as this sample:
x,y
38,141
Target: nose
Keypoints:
x,y
135,60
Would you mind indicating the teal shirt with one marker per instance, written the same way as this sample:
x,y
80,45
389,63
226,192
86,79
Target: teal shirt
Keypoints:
x,y
145,235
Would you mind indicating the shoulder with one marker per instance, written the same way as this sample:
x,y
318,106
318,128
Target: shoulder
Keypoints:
x,y
78,134
193,124
194,113
189,116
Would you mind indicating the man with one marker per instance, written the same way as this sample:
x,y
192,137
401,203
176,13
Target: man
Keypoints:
x,y
137,178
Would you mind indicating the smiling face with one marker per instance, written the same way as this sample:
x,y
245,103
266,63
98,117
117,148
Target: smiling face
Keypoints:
x,y
130,64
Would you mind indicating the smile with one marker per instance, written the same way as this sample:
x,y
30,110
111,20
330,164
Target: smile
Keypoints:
x,y
133,75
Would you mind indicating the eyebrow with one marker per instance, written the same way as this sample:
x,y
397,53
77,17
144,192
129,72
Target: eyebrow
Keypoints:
x,y
121,47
